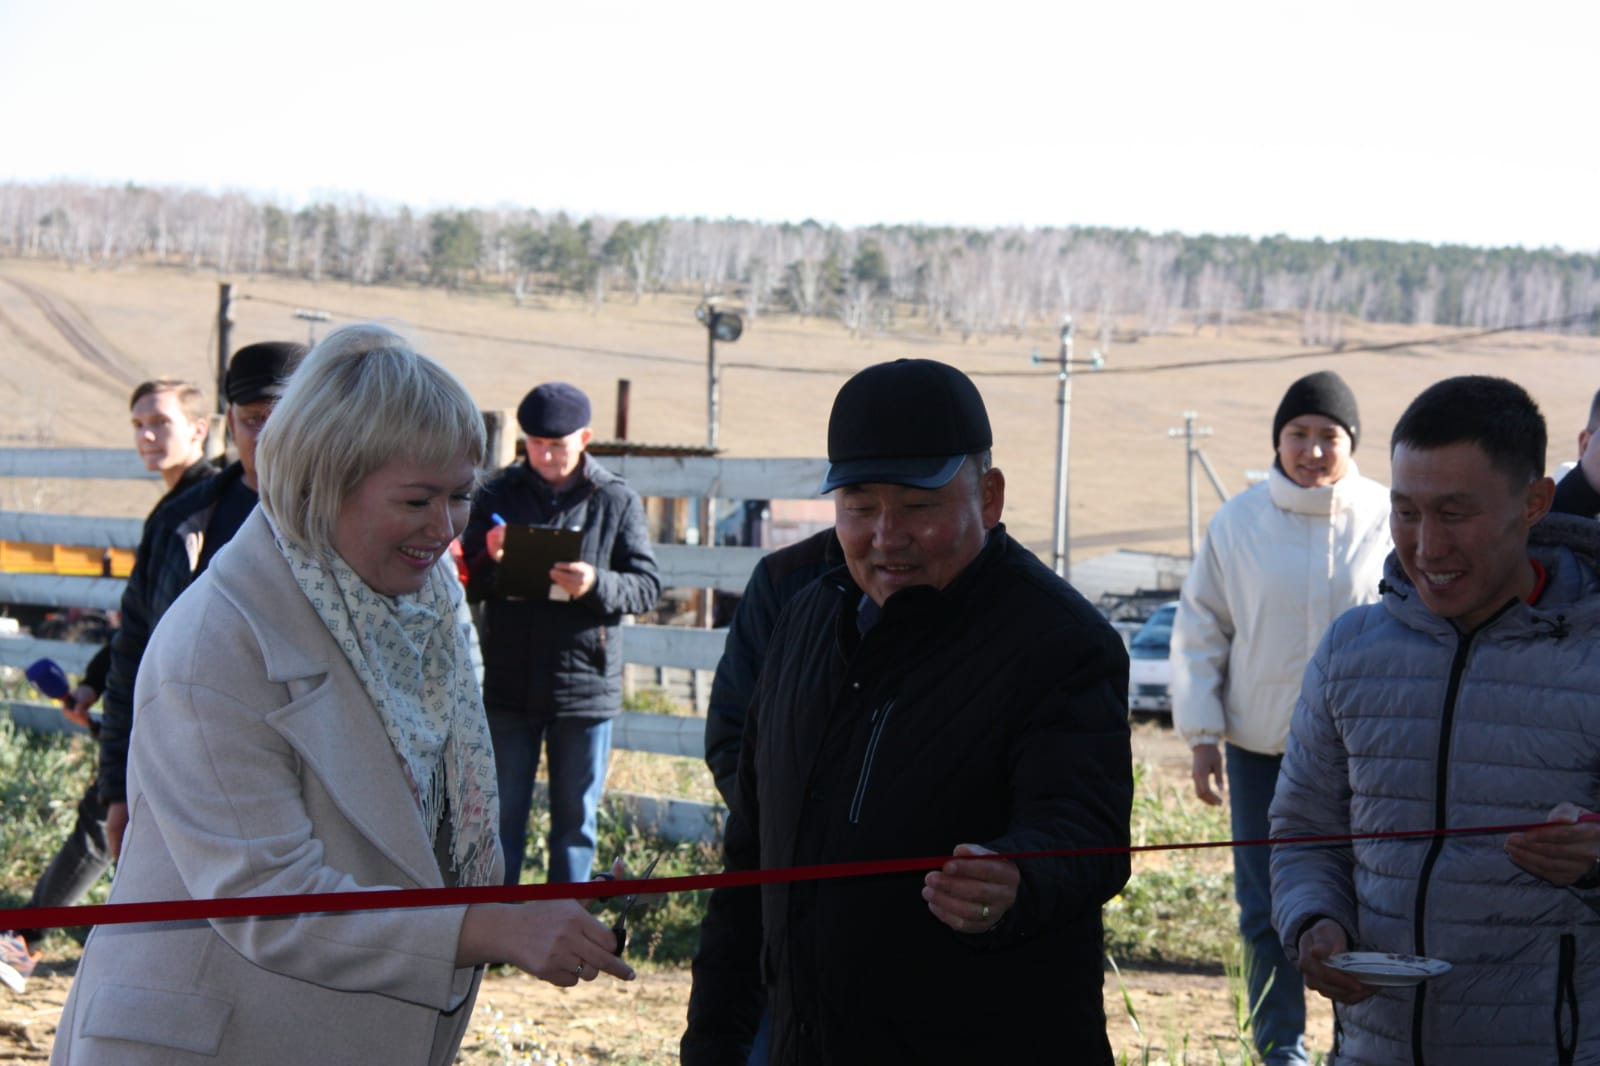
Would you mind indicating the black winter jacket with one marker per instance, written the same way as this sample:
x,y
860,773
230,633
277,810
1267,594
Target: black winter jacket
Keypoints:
x,y
991,712
165,564
1574,495
547,657
773,582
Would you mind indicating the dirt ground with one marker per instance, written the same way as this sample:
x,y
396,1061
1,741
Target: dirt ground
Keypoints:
x,y
610,1023
519,1018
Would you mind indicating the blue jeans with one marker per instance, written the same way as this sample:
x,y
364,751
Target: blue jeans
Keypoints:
x,y
761,1048
579,750
1280,1023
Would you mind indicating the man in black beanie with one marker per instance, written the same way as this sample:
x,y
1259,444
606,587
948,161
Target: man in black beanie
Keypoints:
x,y
941,693
553,667
178,543
1321,393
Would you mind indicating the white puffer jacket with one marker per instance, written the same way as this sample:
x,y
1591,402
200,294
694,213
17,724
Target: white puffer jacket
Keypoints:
x,y
1407,725
1278,565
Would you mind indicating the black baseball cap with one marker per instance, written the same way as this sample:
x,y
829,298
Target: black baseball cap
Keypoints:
x,y
910,422
259,371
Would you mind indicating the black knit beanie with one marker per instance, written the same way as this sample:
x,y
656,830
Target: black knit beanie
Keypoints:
x,y
1323,393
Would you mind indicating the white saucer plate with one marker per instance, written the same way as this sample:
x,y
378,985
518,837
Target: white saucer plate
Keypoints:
x,y
1382,970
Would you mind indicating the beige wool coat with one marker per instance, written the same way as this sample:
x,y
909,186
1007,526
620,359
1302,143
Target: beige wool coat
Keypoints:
x,y
259,766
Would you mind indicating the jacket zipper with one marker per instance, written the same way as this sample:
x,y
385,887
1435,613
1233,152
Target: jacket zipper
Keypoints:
x,y
1458,667
1567,1000
880,718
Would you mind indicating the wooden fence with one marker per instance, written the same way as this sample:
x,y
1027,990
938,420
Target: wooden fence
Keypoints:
x,y
725,569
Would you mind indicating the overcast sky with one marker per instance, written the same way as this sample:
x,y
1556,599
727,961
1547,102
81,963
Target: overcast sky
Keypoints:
x,y
1454,121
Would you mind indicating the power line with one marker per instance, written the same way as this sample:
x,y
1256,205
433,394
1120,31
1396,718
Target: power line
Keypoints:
x,y
1352,349
1042,372
527,342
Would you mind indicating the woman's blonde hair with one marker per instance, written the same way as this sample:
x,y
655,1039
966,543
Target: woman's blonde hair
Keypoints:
x,y
361,398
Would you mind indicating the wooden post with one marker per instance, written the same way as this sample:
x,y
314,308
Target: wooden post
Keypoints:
x,y
224,309
624,389
500,428
217,437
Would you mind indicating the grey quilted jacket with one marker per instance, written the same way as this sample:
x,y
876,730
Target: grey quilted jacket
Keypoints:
x,y
1405,724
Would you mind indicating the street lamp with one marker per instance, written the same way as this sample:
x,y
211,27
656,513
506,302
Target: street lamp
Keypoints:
x,y
723,326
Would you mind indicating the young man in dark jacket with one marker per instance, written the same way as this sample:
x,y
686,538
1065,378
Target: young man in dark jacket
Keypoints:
x,y
178,542
553,667
169,432
942,693
1578,491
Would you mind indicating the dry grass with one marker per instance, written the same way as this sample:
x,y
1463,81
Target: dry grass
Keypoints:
x,y
1128,484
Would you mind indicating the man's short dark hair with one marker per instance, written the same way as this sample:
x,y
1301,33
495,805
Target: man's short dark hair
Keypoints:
x,y
1594,412
1495,414
190,398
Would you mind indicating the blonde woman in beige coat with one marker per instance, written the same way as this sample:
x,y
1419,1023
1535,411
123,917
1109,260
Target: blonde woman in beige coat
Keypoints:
x,y
307,721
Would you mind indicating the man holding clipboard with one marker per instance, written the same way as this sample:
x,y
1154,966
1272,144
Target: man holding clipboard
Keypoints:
x,y
557,551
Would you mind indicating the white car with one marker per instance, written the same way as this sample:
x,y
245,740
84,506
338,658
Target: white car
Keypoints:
x,y
1149,668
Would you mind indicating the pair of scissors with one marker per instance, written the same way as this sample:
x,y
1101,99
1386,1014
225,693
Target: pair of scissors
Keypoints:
x,y
620,929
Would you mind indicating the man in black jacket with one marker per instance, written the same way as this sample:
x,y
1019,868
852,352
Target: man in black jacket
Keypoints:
x,y
169,432
942,693
775,580
553,667
178,542
773,583
1579,489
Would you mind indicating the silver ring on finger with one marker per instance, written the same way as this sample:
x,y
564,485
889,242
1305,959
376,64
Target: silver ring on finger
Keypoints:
x,y
579,971
983,915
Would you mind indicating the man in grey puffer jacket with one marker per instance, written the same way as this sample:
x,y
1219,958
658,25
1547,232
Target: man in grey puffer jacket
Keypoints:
x,y
1467,697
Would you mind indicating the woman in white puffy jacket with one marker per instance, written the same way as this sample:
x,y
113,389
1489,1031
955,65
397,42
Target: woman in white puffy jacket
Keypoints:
x,y
1279,563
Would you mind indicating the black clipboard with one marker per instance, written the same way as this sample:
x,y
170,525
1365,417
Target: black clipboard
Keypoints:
x,y
531,551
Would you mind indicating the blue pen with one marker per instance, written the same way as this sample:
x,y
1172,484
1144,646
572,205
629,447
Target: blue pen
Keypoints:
x,y
496,519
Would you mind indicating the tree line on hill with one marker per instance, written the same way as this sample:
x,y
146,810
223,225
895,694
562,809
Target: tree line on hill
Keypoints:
x,y
977,282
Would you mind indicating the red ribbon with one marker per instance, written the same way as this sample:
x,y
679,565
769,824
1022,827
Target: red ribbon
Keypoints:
x,y
387,899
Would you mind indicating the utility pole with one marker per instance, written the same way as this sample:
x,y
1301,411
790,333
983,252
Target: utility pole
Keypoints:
x,y
1063,559
217,439
224,323
1191,433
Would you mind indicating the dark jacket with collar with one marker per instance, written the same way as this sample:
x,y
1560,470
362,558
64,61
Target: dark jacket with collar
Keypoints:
x,y
993,712
95,674
548,657
775,580
164,566
1574,495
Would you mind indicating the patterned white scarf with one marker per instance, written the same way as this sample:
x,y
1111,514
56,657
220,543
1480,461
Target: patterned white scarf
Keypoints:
x,y
412,659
